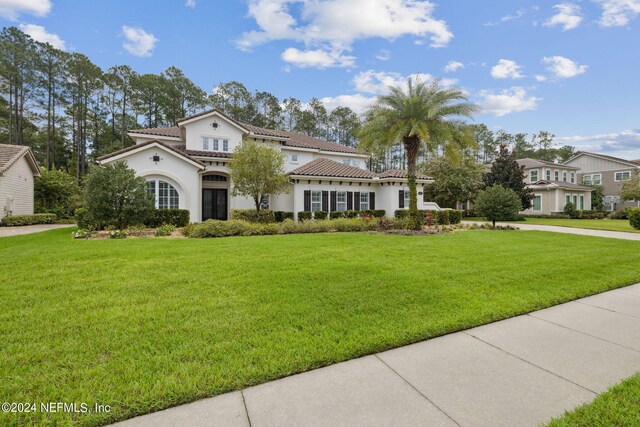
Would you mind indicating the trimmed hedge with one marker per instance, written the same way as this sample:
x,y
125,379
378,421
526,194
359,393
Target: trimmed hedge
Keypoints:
x,y
32,219
265,215
321,215
175,217
444,217
304,215
634,218
282,215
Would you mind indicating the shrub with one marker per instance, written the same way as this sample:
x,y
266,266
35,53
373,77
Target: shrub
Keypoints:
x,y
175,217
281,215
590,214
321,215
83,220
620,214
351,214
442,217
19,220
497,203
81,234
304,215
251,215
118,234
455,216
570,209
56,191
165,230
634,218
337,214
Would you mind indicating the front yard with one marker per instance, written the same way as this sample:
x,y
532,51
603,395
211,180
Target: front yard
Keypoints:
x,y
593,224
144,324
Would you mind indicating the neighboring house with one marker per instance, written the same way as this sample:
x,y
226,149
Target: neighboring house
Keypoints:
x,y
554,185
18,168
608,171
186,167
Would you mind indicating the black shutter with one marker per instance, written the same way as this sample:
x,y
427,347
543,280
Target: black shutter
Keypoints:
x,y
401,200
334,202
349,200
325,201
307,200
356,201
372,200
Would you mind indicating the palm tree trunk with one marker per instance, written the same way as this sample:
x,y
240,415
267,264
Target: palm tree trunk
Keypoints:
x,y
411,145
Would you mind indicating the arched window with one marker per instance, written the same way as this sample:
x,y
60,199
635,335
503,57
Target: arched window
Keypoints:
x,y
166,195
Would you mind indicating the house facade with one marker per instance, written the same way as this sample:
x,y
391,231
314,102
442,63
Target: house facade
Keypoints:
x,y
554,185
18,169
608,171
186,167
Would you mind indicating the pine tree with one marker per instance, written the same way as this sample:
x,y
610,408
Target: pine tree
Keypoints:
x,y
506,171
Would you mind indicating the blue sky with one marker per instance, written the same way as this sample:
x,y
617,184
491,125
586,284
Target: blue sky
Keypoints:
x,y
570,67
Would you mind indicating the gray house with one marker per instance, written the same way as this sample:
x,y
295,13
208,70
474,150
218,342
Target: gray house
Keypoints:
x,y
18,168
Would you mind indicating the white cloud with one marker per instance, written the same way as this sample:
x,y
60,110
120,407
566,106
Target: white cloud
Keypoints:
x,y
627,141
12,9
39,33
506,69
563,67
137,41
541,78
507,101
377,82
618,13
568,16
519,14
453,66
317,58
383,55
334,25
357,102
190,3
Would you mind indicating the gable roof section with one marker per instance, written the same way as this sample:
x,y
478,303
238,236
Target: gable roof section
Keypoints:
x,y
10,154
535,163
551,185
138,147
633,163
332,169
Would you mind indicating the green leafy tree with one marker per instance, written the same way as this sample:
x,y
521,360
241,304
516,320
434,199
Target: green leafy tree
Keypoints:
x,y
233,99
56,192
453,182
597,197
257,170
420,115
497,203
506,171
631,188
115,196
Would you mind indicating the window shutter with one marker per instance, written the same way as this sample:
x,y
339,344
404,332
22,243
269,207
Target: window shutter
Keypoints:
x,y
356,201
401,199
372,200
349,200
307,200
325,201
334,202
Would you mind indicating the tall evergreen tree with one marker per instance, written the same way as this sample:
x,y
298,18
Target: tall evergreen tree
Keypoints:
x,y
506,171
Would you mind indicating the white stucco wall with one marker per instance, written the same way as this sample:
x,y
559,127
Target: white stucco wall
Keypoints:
x,y
17,183
198,129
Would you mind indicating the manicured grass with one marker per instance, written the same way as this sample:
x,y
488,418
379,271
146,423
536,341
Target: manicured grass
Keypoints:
x,y
144,324
620,406
593,224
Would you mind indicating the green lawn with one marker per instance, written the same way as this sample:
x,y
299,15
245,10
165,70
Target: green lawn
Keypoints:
x,y
620,406
594,224
143,324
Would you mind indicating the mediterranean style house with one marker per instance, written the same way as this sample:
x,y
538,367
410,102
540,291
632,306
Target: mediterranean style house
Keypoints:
x,y
608,171
554,185
186,167
18,168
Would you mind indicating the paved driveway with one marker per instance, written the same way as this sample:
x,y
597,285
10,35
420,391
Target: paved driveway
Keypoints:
x,y
517,372
28,229
568,230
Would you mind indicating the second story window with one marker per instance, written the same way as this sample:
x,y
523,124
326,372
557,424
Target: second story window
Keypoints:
x,y
294,158
216,145
534,175
205,143
548,174
623,176
564,176
225,145
556,176
573,177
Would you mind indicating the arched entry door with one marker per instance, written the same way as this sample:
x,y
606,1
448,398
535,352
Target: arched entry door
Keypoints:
x,y
215,197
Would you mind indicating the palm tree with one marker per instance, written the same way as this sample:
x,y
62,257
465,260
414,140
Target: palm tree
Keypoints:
x,y
423,114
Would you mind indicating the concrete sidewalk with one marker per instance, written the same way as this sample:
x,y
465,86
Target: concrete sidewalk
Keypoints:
x,y
29,229
569,230
516,372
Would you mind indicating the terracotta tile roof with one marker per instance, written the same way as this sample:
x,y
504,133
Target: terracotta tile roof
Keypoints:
x,y
173,131
331,168
9,154
176,149
202,153
399,173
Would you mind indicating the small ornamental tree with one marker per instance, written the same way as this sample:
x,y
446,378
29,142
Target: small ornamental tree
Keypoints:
x,y
597,197
56,192
115,196
506,171
497,203
257,170
631,188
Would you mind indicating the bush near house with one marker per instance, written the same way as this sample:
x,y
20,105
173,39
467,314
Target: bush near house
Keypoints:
x,y
175,217
304,215
32,219
252,215
634,218
337,214
620,214
570,209
444,217
320,215
497,203
282,215
56,191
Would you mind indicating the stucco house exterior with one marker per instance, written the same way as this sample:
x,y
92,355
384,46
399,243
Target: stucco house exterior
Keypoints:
x,y
186,166
554,185
18,168
608,171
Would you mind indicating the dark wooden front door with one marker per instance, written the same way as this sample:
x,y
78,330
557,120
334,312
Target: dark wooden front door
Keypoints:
x,y
214,203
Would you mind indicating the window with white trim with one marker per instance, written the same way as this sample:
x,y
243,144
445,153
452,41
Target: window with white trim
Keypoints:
x,y
564,176
581,202
567,199
595,179
364,201
316,201
623,176
225,145
573,177
265,201
537,203
548,174
205,143
533,175
556,176
341,201
294,158
406,198
166,195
